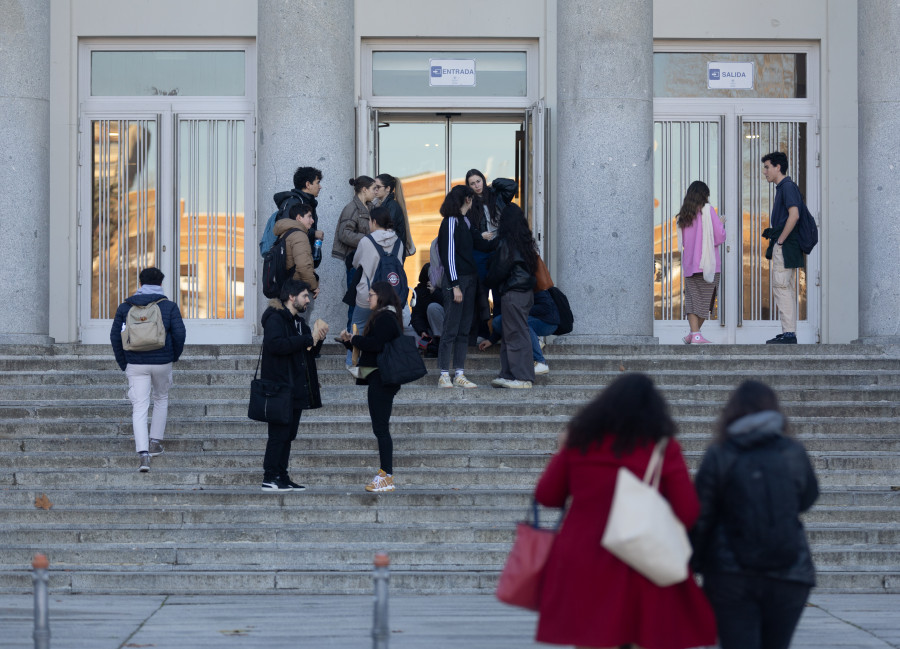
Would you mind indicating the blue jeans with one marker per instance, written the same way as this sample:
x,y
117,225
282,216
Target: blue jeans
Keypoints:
x,y
350,273
535,327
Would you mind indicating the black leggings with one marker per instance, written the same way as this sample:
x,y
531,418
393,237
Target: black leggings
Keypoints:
x,y
381,402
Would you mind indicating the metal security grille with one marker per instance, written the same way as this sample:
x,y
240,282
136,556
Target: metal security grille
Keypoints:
x,y
684,151
210,217
124,163
757,196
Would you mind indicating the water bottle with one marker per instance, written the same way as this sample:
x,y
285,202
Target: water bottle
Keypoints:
x,y
317,252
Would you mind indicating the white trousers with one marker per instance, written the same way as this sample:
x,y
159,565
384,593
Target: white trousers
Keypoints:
x,y
784,288
144,382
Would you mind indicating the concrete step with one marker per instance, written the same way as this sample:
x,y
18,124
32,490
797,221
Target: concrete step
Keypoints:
x,y
542,437
10,394
824,376
362,456
482,402
22,434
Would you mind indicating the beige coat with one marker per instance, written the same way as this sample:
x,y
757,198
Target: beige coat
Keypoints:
x,y
299,254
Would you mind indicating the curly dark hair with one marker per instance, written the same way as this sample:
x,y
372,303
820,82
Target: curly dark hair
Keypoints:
x,y
748,398
305,175
453,202
630,410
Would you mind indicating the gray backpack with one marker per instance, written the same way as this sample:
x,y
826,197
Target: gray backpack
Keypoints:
x,y
144,329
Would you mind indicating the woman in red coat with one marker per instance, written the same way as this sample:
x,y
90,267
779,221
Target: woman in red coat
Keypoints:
x,y
589,597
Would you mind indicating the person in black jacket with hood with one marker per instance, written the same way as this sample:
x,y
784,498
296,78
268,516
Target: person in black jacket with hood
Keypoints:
x,y
307,185
749,543
288,356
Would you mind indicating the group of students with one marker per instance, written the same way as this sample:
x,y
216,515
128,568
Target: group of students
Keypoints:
x,y
483,242
742,511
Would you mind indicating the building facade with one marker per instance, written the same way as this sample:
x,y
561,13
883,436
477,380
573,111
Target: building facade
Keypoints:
x,y
140,134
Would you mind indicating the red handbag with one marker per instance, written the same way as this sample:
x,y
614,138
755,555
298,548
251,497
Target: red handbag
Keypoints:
x,y
522,576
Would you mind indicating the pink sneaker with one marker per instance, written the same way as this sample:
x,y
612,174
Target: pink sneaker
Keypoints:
x,y
687,339
698,339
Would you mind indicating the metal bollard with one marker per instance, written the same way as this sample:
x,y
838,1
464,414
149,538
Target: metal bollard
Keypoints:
x,y
380,629
40,577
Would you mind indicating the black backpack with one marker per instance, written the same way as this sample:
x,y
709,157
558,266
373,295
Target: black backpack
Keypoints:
x,y
761,506
807,232
275,270
566,319
390,270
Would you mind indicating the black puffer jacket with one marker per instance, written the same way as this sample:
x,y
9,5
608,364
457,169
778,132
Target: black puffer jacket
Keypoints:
x,y
712,552
508,271
175,331
286,356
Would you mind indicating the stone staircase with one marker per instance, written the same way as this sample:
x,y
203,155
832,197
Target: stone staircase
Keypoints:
x,y
465,463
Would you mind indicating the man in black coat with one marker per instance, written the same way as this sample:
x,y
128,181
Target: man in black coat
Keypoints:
x,y
288,357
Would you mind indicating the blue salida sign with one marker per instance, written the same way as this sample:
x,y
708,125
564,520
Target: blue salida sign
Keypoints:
x,y
720,74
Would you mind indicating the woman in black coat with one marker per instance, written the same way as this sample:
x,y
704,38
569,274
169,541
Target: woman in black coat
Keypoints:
x,y
288,356
749,543
383,326
511,276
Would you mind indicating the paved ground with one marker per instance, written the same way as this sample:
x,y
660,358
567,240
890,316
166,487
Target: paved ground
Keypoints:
x,y
345,622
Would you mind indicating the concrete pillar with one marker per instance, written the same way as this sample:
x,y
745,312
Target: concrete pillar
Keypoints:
x,y
605,168
24,170
307,118
879,171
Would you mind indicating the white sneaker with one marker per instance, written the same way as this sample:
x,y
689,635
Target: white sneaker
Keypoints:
x,y
461,381
541,368
516,383
500,382
541,341
445,382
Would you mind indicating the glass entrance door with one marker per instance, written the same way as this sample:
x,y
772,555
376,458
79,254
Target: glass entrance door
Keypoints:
x,y
168,190
724,150
430,153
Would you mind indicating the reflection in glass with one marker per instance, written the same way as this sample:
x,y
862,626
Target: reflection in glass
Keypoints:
x,y
210,221
123,209
416,154
683,151
406,74
684,74
168,73
757,196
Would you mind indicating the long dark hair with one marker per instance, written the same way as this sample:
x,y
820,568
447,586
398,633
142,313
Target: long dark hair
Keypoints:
x,y
630,410
696,196
748,398
387,296
515,233
453,202
486,199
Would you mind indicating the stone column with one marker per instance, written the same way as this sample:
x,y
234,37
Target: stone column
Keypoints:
x,y
24,170
605,168
879,171
306,118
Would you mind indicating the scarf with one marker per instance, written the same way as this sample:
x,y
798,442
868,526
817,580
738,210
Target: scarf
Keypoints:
x,y
708,251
